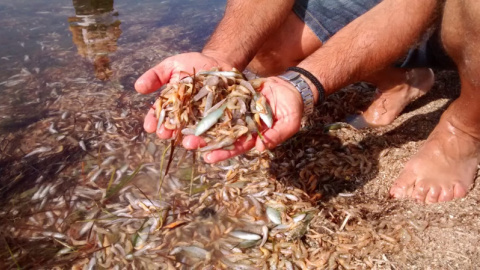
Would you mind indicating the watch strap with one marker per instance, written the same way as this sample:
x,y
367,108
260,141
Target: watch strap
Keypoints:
x,y
302,87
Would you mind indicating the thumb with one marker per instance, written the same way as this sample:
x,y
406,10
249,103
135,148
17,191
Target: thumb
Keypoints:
x,y
154,78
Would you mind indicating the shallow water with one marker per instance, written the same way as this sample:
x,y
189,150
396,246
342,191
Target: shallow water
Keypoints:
x,y
42,35
66,66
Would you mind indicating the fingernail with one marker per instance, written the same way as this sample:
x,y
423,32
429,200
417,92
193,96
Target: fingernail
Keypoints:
x,y
141,85
206,157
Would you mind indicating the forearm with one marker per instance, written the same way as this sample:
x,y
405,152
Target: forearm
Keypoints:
x,y
244,28
371,42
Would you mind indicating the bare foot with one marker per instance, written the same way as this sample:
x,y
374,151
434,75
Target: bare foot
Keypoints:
x,y
443,169
390,101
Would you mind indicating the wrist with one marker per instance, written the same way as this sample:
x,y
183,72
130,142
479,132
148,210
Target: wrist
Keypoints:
x,y
315,87
223,59
301,86
312,87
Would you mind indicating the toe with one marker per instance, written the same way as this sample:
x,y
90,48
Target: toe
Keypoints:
x,y
459,191
433,194
446,194
403,186
420,192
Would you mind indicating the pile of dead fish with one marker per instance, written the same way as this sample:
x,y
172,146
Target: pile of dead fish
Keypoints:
x,y
220,106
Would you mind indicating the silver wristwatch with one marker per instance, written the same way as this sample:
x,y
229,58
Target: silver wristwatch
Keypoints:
x,y
302,86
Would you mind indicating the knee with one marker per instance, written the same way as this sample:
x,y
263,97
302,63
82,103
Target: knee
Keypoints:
x,y
461,28
269,63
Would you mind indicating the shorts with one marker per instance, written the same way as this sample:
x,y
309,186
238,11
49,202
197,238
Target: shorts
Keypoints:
x,y
327,17
428,52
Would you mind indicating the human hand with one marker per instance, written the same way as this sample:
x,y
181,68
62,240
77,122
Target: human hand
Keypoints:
x,y
173,69
287,107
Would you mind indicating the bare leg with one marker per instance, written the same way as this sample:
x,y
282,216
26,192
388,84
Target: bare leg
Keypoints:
x,y
445,166
290,44
294,41
396,88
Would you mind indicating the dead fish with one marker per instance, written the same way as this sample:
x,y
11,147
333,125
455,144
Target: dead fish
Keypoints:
x,y
209,121
141,237
208,103
245,235
218,145
212,81
201,93
215,107
82,145
161,118
247,85
265,235
274,215
264,110
193,251
52,129
188,131
252,127
299,217
232,74
335,126
39,150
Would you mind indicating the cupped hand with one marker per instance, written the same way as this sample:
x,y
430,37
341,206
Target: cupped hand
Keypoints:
x,y
287,108
173,69
284,99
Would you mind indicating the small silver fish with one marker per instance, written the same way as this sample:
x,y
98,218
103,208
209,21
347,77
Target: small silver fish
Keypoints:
x,y
161,118
208,103
221,73
221,144
245,235
267,117
201,93
274,215
299,217
209,121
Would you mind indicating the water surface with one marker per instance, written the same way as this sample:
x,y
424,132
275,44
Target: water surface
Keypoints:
x,y
38,36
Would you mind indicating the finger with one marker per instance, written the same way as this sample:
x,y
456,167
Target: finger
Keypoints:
x,y
150,122
154,78
241,146
193,142
280,132
150,125
260,145
259,142
164,133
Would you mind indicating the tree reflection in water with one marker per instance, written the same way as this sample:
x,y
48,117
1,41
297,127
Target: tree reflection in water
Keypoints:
x,y
96,29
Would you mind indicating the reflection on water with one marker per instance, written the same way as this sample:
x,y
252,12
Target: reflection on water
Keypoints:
x,y
95,30
43,35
